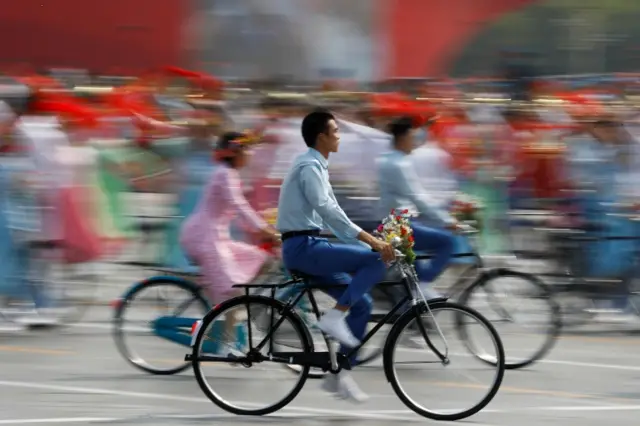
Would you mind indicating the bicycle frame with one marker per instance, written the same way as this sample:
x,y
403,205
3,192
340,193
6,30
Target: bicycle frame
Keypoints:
x,y
329,360
175,328
593,287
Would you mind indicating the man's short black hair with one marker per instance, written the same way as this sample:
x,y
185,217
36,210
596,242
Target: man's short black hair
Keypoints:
x,y
400,127
315,123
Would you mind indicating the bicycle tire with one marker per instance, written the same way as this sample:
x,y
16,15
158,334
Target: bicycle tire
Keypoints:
x,y
542,290
391,376
125,301
295,320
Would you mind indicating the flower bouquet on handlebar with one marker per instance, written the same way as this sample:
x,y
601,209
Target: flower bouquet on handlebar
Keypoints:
x,y
396,230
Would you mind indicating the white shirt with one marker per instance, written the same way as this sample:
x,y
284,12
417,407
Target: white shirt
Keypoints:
x,y
432,166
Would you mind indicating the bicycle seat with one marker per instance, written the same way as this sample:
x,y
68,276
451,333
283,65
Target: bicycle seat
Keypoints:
x,y
298,275
43,244
150,227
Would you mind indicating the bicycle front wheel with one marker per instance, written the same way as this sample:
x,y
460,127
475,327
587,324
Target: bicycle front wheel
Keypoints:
x,y
449,381
522,308
226,346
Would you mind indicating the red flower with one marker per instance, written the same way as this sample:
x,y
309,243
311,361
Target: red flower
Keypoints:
x,y
380,228
405,211
393,212
403,231
467,208
398,217
410,238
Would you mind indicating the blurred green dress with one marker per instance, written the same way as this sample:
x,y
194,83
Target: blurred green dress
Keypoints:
x,y
117,166
491,192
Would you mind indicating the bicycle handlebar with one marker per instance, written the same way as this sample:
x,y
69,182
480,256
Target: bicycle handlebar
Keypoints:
x,y
466,229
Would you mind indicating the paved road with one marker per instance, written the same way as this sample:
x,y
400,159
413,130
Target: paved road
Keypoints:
x,y
76,376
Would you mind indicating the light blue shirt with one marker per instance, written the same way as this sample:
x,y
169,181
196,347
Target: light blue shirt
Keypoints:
x,y
594,165
400,189
307,201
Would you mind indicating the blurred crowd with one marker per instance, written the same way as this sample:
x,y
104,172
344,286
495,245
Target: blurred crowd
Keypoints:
x,y
70,148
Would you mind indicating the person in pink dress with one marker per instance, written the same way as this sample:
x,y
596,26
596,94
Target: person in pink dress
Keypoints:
x,y
205,234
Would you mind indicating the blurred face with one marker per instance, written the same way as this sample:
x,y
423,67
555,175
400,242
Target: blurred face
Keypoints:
x,y
329,141
407,142
241,159
607,132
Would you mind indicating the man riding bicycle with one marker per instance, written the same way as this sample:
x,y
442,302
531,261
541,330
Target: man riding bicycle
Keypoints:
x,y
400,189
306,206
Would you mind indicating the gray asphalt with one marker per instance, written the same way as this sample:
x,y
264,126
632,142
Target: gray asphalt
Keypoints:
x,y
76,376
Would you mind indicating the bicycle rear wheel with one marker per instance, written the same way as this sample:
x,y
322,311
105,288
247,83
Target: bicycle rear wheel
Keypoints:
x,y
178,303
213,354
522,308
440,349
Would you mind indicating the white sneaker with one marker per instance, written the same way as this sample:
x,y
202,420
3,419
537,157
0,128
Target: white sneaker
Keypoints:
x,y
343,386
37,319
349,389
228,350
612,316
9,326
330,383
334,324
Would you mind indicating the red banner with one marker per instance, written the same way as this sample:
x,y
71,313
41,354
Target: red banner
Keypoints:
x,y
424,36
339,38
99,35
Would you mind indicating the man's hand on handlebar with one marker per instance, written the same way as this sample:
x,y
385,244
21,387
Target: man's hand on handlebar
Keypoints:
x,y
460,228
386,250
455,226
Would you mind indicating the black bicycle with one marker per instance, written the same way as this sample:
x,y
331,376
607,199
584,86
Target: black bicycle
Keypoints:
x,y
281,337
578,293
519,304
504,296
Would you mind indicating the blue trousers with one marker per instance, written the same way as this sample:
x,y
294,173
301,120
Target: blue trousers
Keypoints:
x,y
18,283
358,268
439,243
